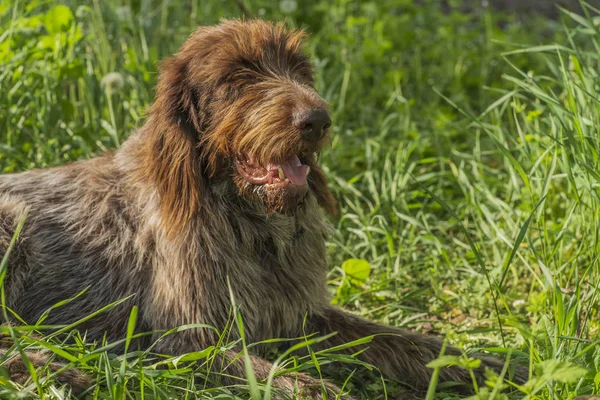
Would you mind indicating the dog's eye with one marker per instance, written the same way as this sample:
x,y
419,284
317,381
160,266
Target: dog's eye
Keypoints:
x,y
246,73
305,76
243,78
232,86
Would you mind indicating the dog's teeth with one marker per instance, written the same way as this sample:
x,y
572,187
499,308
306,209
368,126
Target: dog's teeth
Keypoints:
x,y
307,170
287,180
281,174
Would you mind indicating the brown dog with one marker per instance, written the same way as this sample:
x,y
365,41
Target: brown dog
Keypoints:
x,y
219,189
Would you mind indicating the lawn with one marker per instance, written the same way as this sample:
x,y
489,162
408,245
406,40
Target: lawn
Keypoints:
x,y
465,159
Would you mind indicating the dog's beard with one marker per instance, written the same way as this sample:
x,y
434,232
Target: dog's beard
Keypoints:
x,y
284,201
272,200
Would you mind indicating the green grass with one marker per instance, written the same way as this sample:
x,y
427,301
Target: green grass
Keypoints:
x,y
465,158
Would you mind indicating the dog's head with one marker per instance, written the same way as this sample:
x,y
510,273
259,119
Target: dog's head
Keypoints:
x,y
236,104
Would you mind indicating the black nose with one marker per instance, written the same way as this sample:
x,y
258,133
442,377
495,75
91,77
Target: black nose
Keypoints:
x,y
313,123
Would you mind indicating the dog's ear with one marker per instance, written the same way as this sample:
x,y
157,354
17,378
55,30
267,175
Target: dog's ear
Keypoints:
x,y
318,185
171,158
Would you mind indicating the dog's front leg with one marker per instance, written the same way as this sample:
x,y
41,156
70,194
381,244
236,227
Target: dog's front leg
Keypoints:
x,y
399,354
292,385
228,368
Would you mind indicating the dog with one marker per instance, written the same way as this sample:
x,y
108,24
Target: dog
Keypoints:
x,y
218,196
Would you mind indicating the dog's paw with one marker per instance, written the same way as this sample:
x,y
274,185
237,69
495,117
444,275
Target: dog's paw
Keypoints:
x,y
518,375
302,386
17,370
463,376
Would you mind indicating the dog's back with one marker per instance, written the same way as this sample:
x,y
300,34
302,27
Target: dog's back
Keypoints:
x,y
79,234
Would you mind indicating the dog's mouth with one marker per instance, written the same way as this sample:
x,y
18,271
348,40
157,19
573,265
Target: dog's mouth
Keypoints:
x,y
275,175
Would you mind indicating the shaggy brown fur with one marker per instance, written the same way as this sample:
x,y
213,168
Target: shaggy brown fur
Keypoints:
x,y
212,192
18,372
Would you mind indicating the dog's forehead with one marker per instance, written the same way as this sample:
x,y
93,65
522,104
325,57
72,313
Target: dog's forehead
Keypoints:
x,y
263,45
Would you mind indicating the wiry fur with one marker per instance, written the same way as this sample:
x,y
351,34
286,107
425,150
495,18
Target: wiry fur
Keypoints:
x,y
167,219
40,359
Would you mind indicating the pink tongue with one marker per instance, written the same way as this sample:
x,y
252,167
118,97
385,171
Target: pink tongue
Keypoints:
x,y
295,171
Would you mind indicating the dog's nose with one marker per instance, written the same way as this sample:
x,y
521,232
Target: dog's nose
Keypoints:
x,y
313,123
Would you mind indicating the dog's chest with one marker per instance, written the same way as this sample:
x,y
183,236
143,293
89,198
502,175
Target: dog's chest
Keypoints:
x,y
278,277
